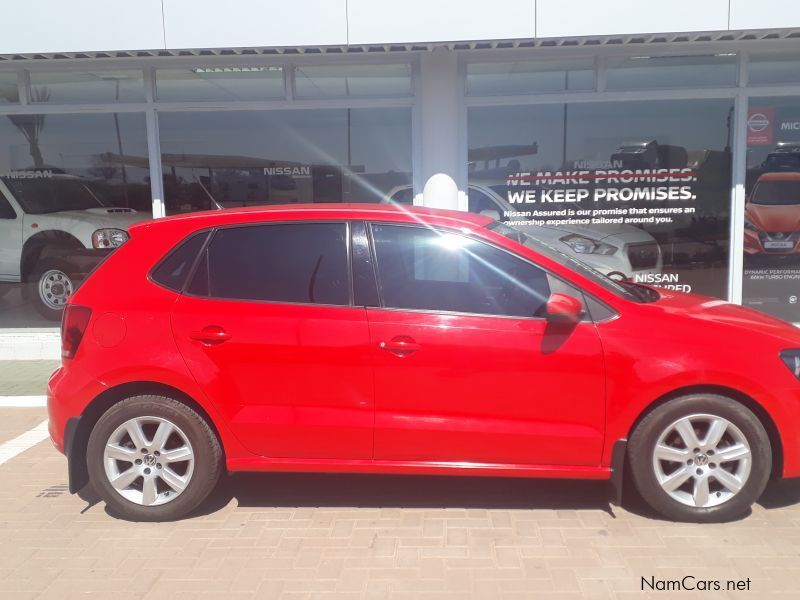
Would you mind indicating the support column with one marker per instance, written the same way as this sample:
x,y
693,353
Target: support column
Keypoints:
x,y
440,102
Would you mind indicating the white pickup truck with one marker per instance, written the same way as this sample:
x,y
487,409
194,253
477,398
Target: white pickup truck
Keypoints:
x,y
54,229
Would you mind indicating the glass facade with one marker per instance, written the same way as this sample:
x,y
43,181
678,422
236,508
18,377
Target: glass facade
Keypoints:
x,y
630,163
73,87
242,158
771,281
635,189
219,83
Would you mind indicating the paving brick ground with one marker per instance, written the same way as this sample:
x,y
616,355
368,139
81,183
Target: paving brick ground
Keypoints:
x,y
343,536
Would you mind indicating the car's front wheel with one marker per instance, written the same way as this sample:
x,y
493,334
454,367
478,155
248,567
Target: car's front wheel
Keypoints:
x,y
152,458
54,286
700,458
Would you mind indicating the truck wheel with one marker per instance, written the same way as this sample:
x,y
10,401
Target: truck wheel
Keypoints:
x,y
53,286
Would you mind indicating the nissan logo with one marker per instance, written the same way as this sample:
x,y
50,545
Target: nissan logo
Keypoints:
x,y
757,122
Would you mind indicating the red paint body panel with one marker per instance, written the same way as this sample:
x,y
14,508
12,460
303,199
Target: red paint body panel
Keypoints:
x,y
487,389
309,388
292,380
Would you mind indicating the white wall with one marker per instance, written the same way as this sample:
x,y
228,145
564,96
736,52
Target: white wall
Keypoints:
x,y
231,23
381,21
94,25
561,18
80,25
764,14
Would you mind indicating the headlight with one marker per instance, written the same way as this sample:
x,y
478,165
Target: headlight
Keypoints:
x,y
749,225
791,358
109,238
584,245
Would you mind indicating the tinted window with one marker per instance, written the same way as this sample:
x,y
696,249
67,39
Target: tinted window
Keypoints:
x,y
6,210
174,269
298,262
424,269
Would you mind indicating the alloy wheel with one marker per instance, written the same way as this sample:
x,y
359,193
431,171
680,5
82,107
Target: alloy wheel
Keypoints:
x,y
148,461
702,460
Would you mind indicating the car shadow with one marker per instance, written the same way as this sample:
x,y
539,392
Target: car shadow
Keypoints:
x,y
781,493
405,491
294,490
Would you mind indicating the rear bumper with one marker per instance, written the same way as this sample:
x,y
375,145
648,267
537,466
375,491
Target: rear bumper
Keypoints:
x,y
69,391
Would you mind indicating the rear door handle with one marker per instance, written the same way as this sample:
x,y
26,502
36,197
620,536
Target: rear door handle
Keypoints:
x,y
211,335
400,345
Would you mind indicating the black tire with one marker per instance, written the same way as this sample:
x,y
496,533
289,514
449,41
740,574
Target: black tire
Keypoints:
x,y
208,457
646,436
51,267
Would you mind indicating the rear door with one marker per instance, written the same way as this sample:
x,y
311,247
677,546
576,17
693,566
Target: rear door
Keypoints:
x,y
268,329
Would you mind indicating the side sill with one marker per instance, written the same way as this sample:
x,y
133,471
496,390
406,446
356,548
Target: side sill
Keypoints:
x,y
417,468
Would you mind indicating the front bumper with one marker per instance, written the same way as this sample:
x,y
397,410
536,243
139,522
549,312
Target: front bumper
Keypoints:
x,y
754,245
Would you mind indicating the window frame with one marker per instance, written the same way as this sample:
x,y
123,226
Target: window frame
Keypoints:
x,y
209,240
585,317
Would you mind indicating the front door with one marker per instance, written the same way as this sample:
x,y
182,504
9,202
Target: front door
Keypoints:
x,y
268,330
10,239
467,370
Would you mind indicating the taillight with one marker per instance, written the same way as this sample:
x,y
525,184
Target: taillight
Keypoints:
x,y
73,326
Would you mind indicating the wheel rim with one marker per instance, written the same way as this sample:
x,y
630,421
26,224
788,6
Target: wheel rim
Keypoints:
x,y
55,288
702,460
148,461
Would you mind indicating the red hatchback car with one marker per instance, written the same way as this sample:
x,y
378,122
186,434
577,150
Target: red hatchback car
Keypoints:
x,y
365,338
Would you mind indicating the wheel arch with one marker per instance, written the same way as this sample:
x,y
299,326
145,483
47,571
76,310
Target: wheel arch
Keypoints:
x,y
753,405
34,246
76,454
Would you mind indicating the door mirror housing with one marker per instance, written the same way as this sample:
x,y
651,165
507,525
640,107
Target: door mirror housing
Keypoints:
x,y
563,308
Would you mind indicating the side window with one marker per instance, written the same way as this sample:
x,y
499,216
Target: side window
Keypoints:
x,y
173,270
420,268
293,262
6,210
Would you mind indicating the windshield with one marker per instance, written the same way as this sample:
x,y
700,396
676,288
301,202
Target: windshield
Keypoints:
x,y
49,195
777,193
628,290
789,161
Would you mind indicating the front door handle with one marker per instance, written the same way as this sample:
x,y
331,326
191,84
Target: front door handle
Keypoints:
x,y
211,335
400,345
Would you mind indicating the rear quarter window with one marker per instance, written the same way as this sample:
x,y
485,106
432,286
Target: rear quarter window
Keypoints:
x,y
173,270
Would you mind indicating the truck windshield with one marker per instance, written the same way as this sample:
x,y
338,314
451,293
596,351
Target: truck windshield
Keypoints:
x,y
777,192
628,290
49,195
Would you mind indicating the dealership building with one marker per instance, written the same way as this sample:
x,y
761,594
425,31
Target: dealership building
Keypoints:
x,y
658,142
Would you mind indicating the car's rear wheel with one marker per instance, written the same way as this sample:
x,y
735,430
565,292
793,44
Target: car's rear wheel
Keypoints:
x,y
701,458
152,458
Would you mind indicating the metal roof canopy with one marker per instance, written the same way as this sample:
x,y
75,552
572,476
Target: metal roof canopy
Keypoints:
x,y
651,40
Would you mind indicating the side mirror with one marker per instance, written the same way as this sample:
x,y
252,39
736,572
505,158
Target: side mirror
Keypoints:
x,y
492,214
563,308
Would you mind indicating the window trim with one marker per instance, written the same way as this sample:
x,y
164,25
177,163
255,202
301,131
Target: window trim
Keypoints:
x,y
216,228
586,318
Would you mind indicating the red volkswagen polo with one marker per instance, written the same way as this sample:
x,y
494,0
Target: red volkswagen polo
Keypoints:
x,y
370,339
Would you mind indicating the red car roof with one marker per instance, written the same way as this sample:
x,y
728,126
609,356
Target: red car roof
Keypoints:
x,y
384,212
